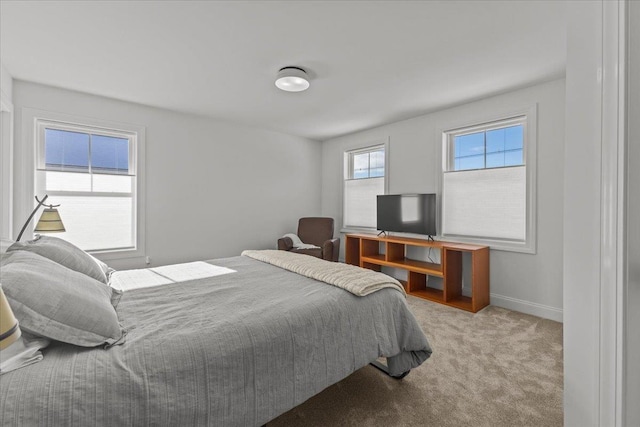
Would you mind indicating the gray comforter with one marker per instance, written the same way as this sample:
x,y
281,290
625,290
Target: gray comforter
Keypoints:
x,y
237,349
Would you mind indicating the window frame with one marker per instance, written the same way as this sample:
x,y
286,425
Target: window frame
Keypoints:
x,y
351,162
35,122
494,125
348,154
524,115
42,125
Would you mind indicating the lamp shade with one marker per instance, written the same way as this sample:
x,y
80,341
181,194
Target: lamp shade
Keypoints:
x,y
9,329
50,222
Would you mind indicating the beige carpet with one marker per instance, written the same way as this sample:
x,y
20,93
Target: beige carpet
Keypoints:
x,y
493,368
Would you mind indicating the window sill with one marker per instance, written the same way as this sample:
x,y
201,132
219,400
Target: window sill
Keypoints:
x,y
112,255
367,230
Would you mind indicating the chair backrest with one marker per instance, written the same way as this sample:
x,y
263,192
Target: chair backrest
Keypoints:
x,y
315,230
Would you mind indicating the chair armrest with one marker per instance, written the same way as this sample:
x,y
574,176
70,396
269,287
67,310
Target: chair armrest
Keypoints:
x,y
331,250
285,244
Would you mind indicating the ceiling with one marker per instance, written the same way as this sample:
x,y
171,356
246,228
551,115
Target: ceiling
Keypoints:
x,y
371,62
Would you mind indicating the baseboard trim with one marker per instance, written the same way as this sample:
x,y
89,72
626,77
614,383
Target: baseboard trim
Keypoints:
x,y
527,307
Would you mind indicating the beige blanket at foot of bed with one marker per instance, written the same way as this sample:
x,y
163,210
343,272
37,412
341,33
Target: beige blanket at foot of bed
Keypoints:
x,y
358,281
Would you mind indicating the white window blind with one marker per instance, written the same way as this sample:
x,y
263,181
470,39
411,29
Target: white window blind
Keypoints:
x,y
97,223
485,203
360,201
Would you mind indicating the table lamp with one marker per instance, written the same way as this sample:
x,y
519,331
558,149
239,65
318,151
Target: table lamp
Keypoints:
x,y
50,221
9,328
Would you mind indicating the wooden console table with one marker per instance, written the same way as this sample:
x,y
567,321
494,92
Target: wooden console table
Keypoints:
x,y
364,250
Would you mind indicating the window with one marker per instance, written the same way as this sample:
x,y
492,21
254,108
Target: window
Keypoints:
x,y
364,179
487,185
487,149
93,173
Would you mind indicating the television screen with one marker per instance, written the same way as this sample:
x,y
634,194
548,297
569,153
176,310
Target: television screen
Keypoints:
x,y
407,213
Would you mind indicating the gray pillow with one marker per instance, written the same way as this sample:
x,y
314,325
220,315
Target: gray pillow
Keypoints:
x,y
54,302
64,253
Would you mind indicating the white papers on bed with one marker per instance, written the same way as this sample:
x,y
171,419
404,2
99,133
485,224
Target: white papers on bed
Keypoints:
x,y
136,279
149,277
23,352
191,271
297,243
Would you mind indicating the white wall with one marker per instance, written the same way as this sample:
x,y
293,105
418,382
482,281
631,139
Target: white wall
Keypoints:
x,y
6,83
527,283
586,391
6,153
632,336
213,188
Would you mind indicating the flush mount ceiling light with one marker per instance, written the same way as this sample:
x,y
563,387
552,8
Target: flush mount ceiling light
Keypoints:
x,y
292,79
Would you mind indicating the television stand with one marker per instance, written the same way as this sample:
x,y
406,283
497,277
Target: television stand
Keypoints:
x,y
364,250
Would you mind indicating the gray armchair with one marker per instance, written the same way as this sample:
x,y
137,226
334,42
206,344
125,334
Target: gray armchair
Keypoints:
x,y
318,232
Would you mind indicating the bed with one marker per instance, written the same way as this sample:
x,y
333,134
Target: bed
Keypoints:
x,y
227,342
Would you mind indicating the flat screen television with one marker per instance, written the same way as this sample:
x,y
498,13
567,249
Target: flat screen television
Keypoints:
x,y
407,213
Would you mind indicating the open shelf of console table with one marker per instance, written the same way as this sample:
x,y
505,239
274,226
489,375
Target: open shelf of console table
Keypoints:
x,y
364,250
